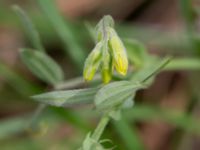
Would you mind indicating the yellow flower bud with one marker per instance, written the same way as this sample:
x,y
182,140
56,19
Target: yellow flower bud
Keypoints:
x,y
92,62
106,71
106,76
119,52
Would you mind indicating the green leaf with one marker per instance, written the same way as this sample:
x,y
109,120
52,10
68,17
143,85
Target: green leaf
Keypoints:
x,y
150,69
30,29
42,66
64,30
183,64
128,103
114,94
67,98
137,52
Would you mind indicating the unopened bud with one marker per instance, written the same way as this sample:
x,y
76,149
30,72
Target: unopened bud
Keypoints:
x,y
106,67
106,21
92,62
119,52
106,75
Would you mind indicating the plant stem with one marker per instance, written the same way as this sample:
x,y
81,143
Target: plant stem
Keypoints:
x,y
36,114
100,128
75,82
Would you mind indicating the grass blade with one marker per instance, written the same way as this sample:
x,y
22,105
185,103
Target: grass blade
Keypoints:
x,y
183,64
179,119
30,29
128,134
64,31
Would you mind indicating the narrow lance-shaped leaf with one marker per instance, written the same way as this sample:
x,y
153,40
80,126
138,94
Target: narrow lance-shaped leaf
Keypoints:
x,y
30,29
42,66
150,69
67,98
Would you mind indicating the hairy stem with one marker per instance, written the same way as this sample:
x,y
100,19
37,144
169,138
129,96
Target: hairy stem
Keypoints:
x,y
100,128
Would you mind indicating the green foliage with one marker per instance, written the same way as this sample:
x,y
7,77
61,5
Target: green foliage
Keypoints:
x,y
151,68
188,13
42,66
183,64
114,94
175,117
105,98
91,144
128,134
64,31
72,117
137,52
68,97
17,80
12,126
30,29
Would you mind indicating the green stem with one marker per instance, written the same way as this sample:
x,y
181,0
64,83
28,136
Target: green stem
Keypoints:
x,y
100,128
36,114
75,82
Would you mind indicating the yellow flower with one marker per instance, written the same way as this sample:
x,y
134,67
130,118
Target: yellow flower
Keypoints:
x,y
92,62
119,52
